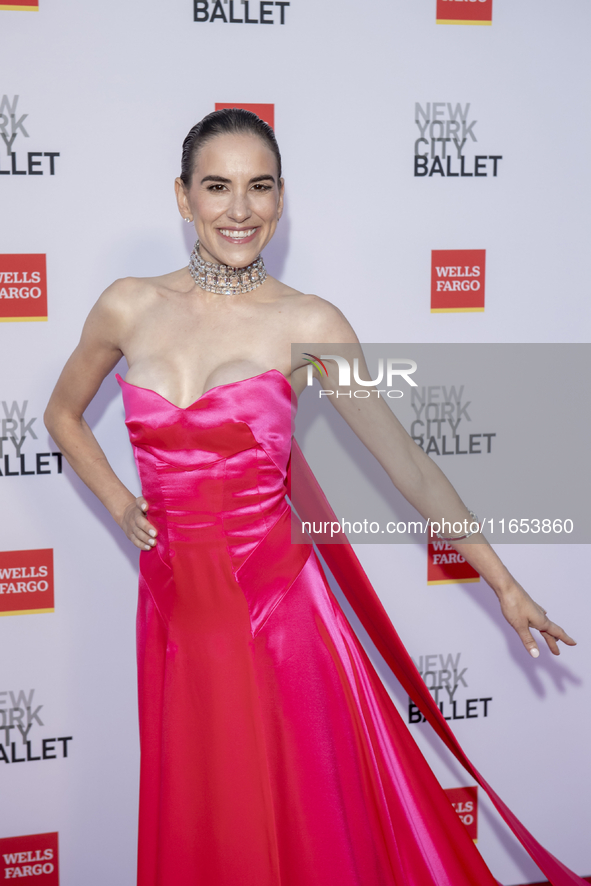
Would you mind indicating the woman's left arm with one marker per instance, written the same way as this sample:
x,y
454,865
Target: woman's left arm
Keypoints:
x,y
427,488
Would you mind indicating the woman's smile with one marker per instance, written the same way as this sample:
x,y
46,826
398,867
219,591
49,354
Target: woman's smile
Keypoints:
x,y
238,235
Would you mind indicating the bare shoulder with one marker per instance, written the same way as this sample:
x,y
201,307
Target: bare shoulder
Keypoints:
x,y
125,300
121,296
129,293
318,320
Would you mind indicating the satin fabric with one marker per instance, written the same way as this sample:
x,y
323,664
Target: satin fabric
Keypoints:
x,y
271,754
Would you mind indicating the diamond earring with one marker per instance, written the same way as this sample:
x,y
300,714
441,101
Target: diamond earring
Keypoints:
x,y
189,220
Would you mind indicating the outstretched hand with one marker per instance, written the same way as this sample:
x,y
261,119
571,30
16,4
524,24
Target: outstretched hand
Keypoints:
x,y
135,525
523,613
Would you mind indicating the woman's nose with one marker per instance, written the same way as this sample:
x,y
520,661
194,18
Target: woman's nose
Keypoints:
x,y
239,208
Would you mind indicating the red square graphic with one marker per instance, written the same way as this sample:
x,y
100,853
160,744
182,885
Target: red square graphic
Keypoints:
x,y
23,287
445,566
464,12
26,582
34,857
22,6
465,802
457,280
265,112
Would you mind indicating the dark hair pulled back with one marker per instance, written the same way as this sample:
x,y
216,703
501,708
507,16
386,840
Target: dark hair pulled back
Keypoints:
x,y
228,121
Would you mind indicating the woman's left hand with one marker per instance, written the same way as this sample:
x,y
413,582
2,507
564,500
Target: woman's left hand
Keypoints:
x,y
523,613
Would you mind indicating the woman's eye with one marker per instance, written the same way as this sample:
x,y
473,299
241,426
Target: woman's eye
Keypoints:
x,y
216,187
260,187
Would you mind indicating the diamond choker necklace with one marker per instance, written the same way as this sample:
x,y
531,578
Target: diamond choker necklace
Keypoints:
x,y
224,280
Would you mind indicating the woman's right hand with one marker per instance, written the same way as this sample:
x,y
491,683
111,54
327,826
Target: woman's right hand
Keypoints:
x,y
135,525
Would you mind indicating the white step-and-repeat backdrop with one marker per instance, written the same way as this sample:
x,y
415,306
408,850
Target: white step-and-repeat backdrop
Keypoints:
x,y
422,139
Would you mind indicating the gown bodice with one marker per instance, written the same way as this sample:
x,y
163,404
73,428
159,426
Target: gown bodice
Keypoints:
x,y
252,413
217,467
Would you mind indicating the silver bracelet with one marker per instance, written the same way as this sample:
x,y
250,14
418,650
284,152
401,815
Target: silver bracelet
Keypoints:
x,y
461,537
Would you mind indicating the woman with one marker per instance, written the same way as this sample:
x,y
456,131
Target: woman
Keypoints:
x,y
271,753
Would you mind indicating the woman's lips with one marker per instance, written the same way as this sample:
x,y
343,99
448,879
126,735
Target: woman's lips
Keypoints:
x,y
239,235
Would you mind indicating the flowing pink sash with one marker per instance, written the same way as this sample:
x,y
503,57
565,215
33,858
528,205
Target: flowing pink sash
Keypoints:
x,y
312,505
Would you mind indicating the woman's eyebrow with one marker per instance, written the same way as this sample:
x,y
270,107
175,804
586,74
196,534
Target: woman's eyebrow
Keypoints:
x,y
262,178
216,178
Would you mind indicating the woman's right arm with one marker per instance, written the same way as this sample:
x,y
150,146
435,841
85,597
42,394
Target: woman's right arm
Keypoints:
x,y
99,351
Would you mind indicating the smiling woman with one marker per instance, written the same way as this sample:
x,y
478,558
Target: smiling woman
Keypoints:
x,y
271,753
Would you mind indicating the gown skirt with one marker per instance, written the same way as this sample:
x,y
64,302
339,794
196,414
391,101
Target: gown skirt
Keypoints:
x,y
271,753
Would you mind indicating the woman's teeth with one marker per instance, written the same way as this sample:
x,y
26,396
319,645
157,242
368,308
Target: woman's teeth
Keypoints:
x,y
237,235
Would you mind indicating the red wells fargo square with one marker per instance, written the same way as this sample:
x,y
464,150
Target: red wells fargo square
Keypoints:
x,y
26,582
457,280
265,112
34,858
22,6
445,566
23,287
464,12
465,802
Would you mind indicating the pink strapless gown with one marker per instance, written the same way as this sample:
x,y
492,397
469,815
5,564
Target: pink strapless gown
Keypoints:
x,y
271,754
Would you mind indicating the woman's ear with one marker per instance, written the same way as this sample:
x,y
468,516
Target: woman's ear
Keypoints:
x,y
182,200
281,195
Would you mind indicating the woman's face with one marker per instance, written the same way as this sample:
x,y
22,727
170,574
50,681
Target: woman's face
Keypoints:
x,y
235,199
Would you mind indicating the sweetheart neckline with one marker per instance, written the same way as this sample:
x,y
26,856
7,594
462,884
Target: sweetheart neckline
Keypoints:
x,y
205,393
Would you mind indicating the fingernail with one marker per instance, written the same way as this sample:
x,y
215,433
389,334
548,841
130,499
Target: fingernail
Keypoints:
x,y
147,548
152,532
535,652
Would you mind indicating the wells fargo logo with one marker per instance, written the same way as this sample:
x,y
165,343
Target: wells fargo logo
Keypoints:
x,y
445,566
464,12
26,582
457,280
22,6
465,802
265,112
23,288
33,856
